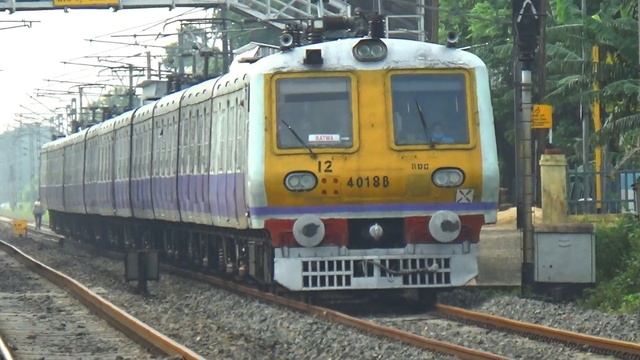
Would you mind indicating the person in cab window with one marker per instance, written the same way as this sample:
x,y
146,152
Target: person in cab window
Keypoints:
x,y
439,137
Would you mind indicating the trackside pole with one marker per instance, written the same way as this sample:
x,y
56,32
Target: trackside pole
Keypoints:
x,y
528,255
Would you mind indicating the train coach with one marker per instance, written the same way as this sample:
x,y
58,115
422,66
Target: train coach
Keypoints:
x,y
359,163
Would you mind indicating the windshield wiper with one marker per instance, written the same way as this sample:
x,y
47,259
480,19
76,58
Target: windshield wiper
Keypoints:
x,y
295,134
427,133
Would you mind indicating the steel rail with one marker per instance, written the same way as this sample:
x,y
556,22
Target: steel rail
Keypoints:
x,y
130,326
340,318
332,315
566,336
4,350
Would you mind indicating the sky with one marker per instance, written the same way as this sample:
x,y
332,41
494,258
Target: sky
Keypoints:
x,y
28,56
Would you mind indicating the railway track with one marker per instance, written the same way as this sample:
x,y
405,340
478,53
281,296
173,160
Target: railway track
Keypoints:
x,y
530,330
5,354
617,347
41,303
610,346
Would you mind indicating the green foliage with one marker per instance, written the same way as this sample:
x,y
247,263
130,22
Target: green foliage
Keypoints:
x,y
114,102
618,267
485,27
483,20
613,80
195,37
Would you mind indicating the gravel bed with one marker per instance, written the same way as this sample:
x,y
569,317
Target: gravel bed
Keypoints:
x,y
218,324
39,320
506,344
565,315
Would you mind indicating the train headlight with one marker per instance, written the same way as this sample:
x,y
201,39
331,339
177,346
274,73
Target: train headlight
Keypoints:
x,y
445,226
370,50
308,230
448,177
300,181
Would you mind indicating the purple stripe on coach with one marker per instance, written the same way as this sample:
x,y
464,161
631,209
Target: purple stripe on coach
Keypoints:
x,y
141,198
294,210
74,198
194,195
122,197
165,201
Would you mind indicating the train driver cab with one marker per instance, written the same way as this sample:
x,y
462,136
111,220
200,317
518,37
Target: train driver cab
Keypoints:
x,y
314,112
429,109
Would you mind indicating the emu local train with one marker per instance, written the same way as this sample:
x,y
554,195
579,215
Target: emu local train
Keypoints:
x,y
360,163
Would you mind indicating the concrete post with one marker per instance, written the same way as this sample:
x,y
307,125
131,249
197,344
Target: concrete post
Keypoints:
x,y
553,176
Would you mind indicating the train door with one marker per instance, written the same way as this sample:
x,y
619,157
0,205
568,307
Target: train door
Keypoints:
x,y
195,178
241,156
172,167
183,198
217,148
204,164
230,161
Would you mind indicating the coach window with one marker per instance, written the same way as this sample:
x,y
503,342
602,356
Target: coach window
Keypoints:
x,y
314,112
429,109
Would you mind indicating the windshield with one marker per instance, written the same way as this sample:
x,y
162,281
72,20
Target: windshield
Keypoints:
x,y
429,109
314,112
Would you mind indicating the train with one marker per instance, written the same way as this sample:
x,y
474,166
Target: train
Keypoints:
x,y
360,163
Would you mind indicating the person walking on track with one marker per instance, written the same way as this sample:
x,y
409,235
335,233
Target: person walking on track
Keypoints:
x,y
38,211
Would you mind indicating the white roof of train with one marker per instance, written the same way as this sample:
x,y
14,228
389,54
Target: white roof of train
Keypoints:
x,y
337,55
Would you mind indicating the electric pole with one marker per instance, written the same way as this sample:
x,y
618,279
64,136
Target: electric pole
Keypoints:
x,y
131,91
583,113
226,48
541,61
526,18
432,20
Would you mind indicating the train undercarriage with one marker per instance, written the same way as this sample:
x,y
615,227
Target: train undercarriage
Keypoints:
x,y
226,251
242,254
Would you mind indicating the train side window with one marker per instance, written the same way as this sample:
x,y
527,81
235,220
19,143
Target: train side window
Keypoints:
x,y
429,109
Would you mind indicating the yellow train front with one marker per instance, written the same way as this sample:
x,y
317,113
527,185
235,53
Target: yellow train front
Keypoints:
x,y
373,164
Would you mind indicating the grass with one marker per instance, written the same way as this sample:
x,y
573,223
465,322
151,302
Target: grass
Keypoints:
x,y
597,219
617,265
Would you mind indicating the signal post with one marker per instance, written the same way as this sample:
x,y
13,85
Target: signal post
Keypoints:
x,y
526,23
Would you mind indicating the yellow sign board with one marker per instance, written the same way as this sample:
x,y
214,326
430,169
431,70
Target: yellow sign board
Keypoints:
x,y
84,3
541,116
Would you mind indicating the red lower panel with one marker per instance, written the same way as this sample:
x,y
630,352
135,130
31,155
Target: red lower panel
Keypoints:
x,y
416,229
336,232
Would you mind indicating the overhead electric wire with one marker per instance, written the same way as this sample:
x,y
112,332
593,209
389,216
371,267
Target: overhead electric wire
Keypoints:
x,y
41,104
153,24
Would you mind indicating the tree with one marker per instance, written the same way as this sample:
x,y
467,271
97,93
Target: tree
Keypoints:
x,y
484,28
111,104
612,79
203,43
